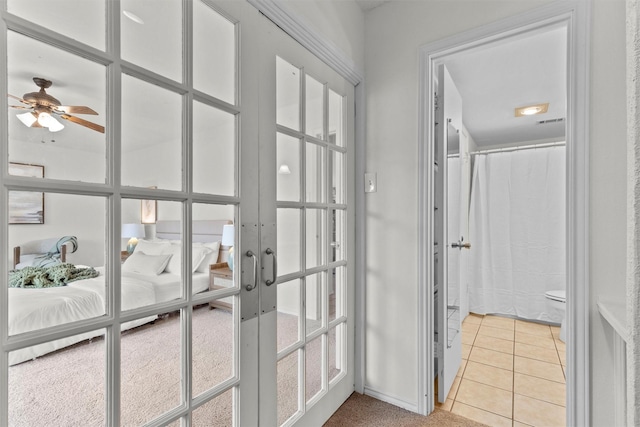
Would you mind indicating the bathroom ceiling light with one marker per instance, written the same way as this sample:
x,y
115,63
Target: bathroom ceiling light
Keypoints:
x,y
531,110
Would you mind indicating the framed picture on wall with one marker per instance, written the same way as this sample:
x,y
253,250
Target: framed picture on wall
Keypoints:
x,y
26,207
148,214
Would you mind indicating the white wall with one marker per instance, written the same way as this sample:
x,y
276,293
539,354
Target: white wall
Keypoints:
x,y
608,191
341,22
394,32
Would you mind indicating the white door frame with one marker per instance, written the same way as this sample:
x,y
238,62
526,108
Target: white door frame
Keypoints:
x,y
576,16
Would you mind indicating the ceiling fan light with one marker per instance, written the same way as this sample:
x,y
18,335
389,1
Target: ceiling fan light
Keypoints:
x,y
27,118
44,119
54,125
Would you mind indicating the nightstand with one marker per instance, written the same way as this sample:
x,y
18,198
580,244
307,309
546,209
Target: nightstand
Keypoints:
x,y
220,277
123,256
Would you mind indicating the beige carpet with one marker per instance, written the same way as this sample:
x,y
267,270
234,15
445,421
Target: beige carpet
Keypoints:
x,y
361,410
66,388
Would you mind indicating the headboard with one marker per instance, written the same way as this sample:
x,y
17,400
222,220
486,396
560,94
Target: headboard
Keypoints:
x,y
203,231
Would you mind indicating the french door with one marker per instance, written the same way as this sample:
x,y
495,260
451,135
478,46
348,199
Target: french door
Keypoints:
x,y
306,324
212,115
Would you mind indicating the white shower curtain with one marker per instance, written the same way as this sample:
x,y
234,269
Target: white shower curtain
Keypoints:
x,y
517,232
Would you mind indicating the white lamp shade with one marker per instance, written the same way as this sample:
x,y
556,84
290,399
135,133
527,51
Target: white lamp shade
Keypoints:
x,y
132,230
27,118
55,126
228,235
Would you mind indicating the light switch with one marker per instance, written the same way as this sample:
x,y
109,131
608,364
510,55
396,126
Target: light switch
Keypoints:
x,y
370,182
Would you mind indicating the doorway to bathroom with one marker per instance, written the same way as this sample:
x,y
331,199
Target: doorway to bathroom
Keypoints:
x,y
482,294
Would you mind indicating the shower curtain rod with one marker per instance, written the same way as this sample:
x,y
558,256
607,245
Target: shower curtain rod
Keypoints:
x,y
507,149
521,147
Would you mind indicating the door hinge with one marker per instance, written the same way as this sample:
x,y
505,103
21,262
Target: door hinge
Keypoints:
x,y
435,101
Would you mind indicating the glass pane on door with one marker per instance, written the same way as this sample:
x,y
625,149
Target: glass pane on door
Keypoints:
x,y
315,237
314,302
314,108
288,386
57,110
62,388
214,53
337,355
315,173
336,119
288,312
288,160
287,94
215,413
152,36
149,355
288,241
314,358
56,293
60,16
214,150
151,137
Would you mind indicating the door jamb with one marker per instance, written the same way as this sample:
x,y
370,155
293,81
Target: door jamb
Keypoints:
x,y
576,16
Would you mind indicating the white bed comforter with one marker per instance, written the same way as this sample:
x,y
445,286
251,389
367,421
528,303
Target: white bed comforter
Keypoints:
x,y
33,309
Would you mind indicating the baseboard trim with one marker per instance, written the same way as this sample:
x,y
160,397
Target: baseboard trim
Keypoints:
x,y
390,399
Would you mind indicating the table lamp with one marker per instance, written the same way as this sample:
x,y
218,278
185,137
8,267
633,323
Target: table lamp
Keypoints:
x,y
228,236
133,231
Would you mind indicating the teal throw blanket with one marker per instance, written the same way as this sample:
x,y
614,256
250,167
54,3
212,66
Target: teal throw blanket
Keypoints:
x,y
48,277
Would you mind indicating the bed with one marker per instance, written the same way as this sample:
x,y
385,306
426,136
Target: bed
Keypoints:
x,y
33,309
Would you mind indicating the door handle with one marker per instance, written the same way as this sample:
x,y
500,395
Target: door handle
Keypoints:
x,y
271,252
252,286
461,245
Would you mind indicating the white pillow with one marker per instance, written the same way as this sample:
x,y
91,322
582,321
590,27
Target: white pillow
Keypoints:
x,y
26,261
152,248
174,266
139,262
210,258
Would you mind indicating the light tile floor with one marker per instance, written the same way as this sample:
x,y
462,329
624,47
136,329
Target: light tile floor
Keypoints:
x,y
512,373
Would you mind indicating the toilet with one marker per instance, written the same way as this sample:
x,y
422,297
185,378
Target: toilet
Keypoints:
x,y
558,299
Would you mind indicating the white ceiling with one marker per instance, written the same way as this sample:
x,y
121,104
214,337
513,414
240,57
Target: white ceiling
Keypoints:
x,y
495,79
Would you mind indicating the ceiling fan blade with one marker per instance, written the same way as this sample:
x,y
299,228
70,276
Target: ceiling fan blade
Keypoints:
x,y
83,122
76,109
18,98
20,107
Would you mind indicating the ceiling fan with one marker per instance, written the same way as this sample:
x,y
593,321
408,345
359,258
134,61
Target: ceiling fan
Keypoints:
x,y
43,107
